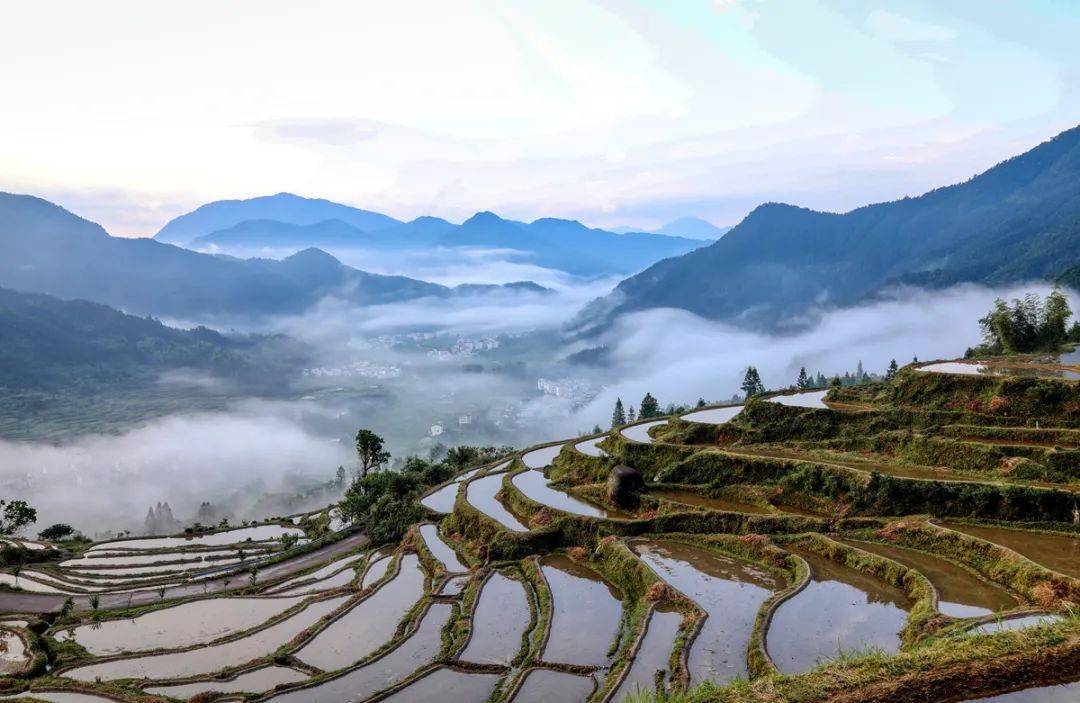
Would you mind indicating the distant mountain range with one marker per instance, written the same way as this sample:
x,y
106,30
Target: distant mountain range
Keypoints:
x,y
286,221
46,249
691,227
1019,220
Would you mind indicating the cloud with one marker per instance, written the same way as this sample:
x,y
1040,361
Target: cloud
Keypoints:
x,y
894,27
107,482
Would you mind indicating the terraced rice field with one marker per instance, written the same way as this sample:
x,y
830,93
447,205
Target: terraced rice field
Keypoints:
x,y
903,549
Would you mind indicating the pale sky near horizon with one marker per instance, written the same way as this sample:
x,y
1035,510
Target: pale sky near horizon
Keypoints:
x,y
610,111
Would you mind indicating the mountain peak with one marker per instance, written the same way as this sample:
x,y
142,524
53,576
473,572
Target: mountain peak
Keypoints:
x,y
483,218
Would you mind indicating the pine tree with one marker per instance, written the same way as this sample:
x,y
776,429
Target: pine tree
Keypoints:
x,y
860,373
752,384
891,372
803,381
618,416
820,381
649,407
596,429
701,403
631,416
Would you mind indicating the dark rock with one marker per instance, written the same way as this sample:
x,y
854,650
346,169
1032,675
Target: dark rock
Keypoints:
x,y
623,486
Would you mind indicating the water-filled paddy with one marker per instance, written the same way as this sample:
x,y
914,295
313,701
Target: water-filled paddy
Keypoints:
x,y
161,569
339,579
28,584
417,650
839,610
544,685
539,458
961,594
63,697
254,681
1063,693
1054,551
700,500
197,622
585,617
328,570
445,685
206,660
481,494
729,591
653,654
1017,623
93,560
640,433
501,616
440,549
442,499
375,570
534,485
806,399
258,533
13,652
369,624
589,446
958,367
713,416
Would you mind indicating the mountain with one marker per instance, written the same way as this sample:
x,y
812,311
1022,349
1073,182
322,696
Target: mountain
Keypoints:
x,y
565,245
46,249
48,343
692,227
1019,220
283,207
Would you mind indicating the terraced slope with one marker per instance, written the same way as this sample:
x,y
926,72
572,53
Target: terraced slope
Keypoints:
x,y
909,541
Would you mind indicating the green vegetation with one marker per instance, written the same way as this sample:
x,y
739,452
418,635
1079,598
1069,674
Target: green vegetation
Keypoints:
x,y
1028,325
15,515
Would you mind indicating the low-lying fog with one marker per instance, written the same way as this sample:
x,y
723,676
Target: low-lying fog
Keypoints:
x,y
485,369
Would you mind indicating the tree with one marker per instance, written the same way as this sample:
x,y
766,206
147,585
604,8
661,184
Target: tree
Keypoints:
x,y
369,451
630,414
339,478
803,381
57,532
835,382
891,372
649,407
15,515
701,403
752,384
1056,314
618,415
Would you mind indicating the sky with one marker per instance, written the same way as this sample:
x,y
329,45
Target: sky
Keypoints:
x,y
614,112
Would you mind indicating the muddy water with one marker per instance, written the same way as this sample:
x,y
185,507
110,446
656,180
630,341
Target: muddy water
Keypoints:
x,y
545,685
1063,693
703,501
806,399
640,433
217,539
1058,552
653,655
396,665
961,593
840,609
454,586
375,571
197,622
539,458
713,416
1019,623
255,681
441,550
442,500
502,615
206,660
369,624
589,446
535,486
481,495
729,591
585,615
318,574
444,685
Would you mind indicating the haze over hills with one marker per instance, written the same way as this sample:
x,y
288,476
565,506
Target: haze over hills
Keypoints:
x,y
691,227
1019,220
46,249
565,245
